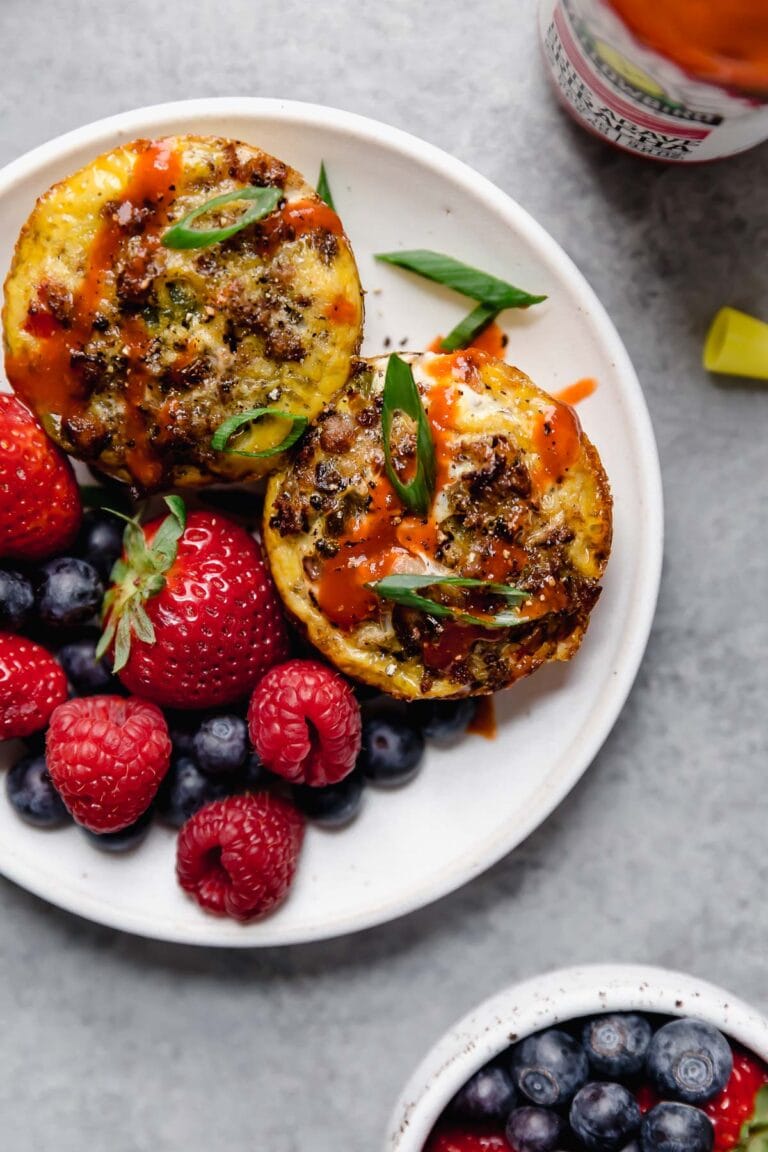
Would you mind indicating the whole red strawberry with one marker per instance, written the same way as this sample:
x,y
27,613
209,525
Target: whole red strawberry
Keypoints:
x,y
238,856
193,618
40,509
31,685
304,723
467,1140
107,756
736,1104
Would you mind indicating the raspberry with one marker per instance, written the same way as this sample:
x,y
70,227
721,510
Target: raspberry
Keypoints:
x,y
237,857
32,684
107,756
304,723
467,1140
736,1103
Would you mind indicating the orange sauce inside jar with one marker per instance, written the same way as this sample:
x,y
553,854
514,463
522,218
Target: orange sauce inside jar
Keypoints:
x,y
724,42
48,378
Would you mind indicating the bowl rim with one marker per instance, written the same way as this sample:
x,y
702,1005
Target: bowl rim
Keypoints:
x,y
553,998
166,117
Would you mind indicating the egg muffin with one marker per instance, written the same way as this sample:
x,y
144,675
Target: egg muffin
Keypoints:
x,y
133,348
497,571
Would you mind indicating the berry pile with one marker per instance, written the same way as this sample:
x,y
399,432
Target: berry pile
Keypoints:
x,y
618,1083
148,670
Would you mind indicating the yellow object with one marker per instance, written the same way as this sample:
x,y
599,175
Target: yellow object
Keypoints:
x,y
737,344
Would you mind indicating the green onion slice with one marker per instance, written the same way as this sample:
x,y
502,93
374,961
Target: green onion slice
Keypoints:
x,y
226,431
401,589
462,278
183,235
402,395
466,330
324,188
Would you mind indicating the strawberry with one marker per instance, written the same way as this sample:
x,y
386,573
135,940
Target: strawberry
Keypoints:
x,y
741,1103
107,756
40,509
192,618
31,685
467,1140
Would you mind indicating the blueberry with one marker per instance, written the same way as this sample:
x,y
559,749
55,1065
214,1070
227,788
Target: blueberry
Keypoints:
x,y
69,592
182,727
185,790
616,1045
488,1095
221,744
17,598
124,840
443,720
32,794
87,675
604,1116
392,749
253,775
673,1127
534,1130
331,807
549,1067
101,540
689,1060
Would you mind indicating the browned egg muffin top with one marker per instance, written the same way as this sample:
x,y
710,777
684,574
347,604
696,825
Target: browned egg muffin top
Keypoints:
x,y
132,353
520,499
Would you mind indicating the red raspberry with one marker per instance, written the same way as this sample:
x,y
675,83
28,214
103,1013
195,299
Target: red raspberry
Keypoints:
x,y
304,723
40,507
107,755
31,685
736,1103
238,856
467,1140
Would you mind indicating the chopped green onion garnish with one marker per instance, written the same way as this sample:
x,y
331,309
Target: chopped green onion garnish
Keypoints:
x,y
226,431
324,188
462,278
401,589
183,235
466,330
402,395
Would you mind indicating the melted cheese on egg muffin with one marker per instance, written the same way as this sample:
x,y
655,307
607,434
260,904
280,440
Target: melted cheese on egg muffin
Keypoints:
x,y
520,498
132,353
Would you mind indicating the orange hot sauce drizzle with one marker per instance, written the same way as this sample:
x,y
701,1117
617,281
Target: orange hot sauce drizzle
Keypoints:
x,y
557,439
385,535
491,340
47,379
341,310
577,391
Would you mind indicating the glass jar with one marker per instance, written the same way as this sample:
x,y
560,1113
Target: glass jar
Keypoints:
x,y
674,80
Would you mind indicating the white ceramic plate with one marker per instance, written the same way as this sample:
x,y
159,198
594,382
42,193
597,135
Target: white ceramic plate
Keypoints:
x,y
472,804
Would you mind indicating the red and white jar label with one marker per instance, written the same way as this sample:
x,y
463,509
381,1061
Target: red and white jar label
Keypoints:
x,y
636,99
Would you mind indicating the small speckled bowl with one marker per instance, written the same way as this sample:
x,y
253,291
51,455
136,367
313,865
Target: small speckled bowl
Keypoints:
x,y
556,998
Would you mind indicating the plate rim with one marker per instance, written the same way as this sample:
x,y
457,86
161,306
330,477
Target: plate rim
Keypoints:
x,y
640,617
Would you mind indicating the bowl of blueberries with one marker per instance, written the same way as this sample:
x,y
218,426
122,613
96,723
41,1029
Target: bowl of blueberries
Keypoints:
x,y
609,1058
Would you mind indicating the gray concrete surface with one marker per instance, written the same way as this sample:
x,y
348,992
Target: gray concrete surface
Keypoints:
x,y
109,1042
